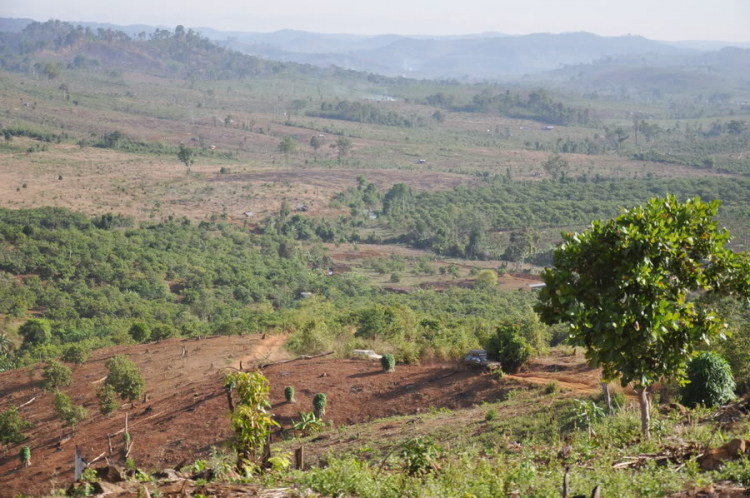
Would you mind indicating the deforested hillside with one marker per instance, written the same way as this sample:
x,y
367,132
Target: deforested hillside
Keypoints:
x,y
294,280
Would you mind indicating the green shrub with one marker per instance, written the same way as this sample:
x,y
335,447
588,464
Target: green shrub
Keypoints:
x,y
65,409
25,456
76,353
124,377
107,399
552,387
419,455
289,394
490,415
510,349
487,278
498,374
162,332
12,426
55,375
710,381
388,362
35,331
140,332
319,404
395,278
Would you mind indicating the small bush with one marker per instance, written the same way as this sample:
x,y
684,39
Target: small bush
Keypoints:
x,y
490,415
711,381
498,374
65,409
25,456
140,332
124,377
487,278
289,394
388,362
12,426
395,278
107,399
76,353
552,387
55,375
319,404
162,332
511,349
419,455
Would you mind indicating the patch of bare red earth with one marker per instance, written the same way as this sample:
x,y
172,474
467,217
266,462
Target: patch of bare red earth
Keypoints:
x,y
187,413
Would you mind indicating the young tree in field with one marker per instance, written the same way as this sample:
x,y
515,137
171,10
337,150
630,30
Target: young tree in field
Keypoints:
x,y
12,426
55,375
25,456
623,285
251,419
70,413
288,146
344,146
187,156
315,143
556,167
124,377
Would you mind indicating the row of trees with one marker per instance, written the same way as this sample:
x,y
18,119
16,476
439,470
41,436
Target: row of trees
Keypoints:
x,y
538,105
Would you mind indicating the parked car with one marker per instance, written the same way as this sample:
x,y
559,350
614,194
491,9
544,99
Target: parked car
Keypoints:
x,y
477,358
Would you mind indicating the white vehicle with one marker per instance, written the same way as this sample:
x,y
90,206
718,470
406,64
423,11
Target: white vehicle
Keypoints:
x,y
369,353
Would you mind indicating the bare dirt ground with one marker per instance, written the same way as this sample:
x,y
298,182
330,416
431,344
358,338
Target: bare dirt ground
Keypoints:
x,y
98,181
186,413
359,391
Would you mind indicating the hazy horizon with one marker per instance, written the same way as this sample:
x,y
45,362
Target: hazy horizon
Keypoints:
x,y
668,20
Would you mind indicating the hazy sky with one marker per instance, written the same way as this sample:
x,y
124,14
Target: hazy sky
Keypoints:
x,y
727,20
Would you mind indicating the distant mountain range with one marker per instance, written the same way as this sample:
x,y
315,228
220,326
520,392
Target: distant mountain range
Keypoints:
x,y
475,56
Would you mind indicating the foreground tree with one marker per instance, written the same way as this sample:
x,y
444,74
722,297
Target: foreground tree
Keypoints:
x,y
624,286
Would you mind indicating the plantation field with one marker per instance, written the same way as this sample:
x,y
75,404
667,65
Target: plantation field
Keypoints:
x,y
186,412
203,212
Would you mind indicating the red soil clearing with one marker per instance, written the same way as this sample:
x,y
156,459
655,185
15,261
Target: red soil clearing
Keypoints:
x,y
187,413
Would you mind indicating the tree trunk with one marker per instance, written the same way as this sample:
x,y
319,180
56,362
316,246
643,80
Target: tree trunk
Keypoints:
x,y
230,401
645,414
607,398
664,398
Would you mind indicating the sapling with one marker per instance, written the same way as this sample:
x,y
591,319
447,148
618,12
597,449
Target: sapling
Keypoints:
x,y
289,394
25,456
388,362
319,404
